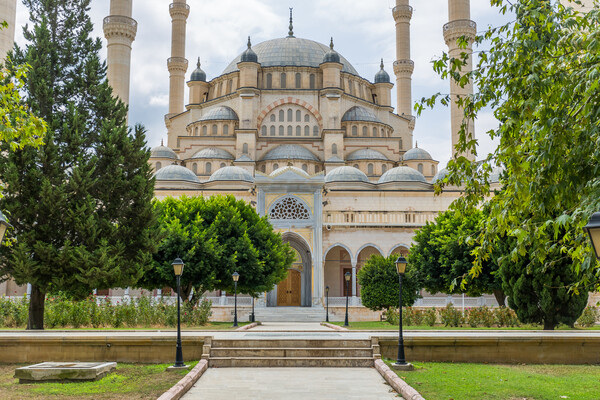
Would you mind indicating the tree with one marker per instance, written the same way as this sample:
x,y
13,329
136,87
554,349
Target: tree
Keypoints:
x,y
540,78
378,281
81,203
216,237
441,256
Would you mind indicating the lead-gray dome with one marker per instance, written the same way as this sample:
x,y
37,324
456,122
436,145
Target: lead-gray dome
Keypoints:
x,y
332,55
163,152
346,174
221,113
416,154
366,154
249,55
290,152
402,174
381,76
175,173
440,176
358,113
198,75
297,170
231,174
213,153
291,52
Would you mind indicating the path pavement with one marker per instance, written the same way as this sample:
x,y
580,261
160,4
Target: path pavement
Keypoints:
x,y
291,384
290,327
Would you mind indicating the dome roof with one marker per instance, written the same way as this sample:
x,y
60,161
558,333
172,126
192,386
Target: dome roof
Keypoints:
x,y
220,113
231,174
213,153
416,154
366,154
290,152
440,176
163,152
331,56
382,76
346,174
402,174
249,55
297,170
290,52
495,174
198,75
358,113
175,173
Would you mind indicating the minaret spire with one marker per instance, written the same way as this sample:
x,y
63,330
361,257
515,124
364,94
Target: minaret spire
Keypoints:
x,y
331,43
177,64
291,32
403,66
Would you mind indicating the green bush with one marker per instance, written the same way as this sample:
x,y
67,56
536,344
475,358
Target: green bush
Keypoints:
x,y
451,316
480,316
506,317
589,317
430,316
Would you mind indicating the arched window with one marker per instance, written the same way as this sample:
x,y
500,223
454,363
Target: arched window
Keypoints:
x,y
290,131
420,168
298,116
289,208
355,130
401,146
315,131
214,130
204,130
383,169
230,86
370,169
298,130
365,131
272,117
275,167
433,170
208,168
158,165
220,89
196,131
382,132
317,169
334,149
281,130
298,81
313,81
195,168
304,167
374,132
245,148
222,165
263,169
269,81
263,130
281,115
356,166
307,130
290,115
225,130
283,80
307,118
272,131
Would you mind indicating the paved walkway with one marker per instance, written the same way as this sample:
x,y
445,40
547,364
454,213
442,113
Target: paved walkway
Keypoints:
x,y
291,384
291,327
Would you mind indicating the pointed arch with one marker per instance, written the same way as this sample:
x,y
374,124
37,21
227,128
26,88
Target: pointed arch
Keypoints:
x,y
290,100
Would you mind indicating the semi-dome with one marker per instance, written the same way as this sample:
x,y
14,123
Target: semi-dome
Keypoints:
x,y
402,174
290,152
381,76
417,154
198,75
440,176
213,153
249,55
231,174
297,170
175,173
346,174
358,113
331,56
291,52
163,152
221,113
366,154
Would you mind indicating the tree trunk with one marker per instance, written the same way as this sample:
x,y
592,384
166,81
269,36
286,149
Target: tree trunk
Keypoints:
x,y
548,325
196,296
36,308
500,297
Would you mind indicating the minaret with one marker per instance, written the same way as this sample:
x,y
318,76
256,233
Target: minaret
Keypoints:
x,y
8,13
177,64
403,66
120,30
459,12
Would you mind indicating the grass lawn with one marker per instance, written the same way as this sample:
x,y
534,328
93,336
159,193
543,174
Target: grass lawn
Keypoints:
x,y
445,381
211,326
384,326
129,381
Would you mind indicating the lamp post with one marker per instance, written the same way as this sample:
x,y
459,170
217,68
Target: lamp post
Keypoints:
x,y
178,269
401,361
4,225
593,229
252,316
327,303
347,276
235,277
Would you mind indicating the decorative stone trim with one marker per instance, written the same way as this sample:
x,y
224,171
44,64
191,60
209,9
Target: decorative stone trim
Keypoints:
x,y
404,67
403,388
290,100
177,64
454,30
120,26
182,387
179,9
402,12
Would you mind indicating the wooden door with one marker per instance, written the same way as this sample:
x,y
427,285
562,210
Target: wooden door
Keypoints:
x,y
289,290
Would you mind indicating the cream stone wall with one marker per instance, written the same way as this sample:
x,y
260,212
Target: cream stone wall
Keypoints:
x,y
8,13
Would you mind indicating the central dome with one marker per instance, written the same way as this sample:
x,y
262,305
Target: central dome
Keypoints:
x,y
290,52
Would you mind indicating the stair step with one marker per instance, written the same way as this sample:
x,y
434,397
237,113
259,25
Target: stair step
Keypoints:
x,y
225,362
236,352
289,343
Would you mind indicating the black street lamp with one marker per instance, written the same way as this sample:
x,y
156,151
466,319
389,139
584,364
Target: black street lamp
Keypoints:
x,y
327,303
178,269
401,361
4,225
347,276
252,316
235,277
593,229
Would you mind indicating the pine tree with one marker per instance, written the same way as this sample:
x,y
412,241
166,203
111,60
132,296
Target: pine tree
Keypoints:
x,y
81,203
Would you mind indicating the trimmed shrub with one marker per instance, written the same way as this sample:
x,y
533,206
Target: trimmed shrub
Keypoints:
x,y
589,317
451,316
480,316
506,317
430,316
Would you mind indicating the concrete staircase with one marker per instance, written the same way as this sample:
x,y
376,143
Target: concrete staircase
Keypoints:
x,y
290,314
290,352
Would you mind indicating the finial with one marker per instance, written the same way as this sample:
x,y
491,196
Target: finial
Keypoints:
x,y
382,63
291,32
161,142
331,44
249,42
417,144
198,65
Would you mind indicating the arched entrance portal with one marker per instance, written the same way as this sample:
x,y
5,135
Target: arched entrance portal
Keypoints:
x,y
296,288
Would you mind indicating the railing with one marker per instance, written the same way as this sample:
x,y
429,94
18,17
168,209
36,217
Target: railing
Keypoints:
x,y
179,6
404,8
460,23
120,19
381,218
177,60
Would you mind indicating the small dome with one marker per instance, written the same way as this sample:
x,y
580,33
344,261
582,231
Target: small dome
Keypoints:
x,y
331,56
495,174
297,170
366,154
231,174
163,152
290,152
358,113
346,174
440,176
382,76
213,153
402,174
175,173
416,154
221,113
198,75
249,55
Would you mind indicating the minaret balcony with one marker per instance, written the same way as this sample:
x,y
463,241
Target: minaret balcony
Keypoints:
x,y
402,12
179,9
120,26
454,30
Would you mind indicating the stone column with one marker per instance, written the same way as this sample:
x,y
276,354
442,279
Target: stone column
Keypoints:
x,y
177,64
8,11
403,66
354,262
460,25
120,31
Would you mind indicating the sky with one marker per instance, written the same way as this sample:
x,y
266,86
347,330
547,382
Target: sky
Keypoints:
x,y
363,32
